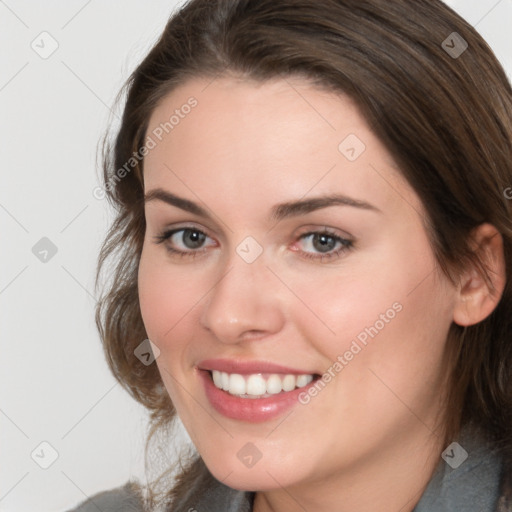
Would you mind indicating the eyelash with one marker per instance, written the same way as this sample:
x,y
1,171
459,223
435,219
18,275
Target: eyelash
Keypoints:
x,y
346,244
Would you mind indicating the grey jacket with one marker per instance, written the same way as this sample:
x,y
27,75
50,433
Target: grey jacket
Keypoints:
x,y
474,486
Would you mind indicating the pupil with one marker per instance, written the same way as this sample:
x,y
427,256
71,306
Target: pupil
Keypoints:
x,y
326,242
193,239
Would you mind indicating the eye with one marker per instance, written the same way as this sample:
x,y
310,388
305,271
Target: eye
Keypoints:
x,y
327,244
184,242
317,245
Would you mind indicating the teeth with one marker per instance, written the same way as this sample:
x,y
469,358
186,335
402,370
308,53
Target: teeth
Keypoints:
x,y
274,384
236,384
289,382
224,381
217,379
303,380
256,385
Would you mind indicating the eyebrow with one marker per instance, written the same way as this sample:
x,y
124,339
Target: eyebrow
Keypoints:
x,y
278,212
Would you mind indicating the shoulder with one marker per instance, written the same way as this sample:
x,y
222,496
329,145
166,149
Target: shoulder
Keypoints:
x,y
468,477
126,498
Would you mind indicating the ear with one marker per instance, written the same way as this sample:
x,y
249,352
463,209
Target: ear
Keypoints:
x,y
476,298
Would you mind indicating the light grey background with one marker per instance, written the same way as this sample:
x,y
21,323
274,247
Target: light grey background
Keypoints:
x,y
55,386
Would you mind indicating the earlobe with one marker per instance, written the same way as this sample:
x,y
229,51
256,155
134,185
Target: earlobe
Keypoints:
x,y
478,297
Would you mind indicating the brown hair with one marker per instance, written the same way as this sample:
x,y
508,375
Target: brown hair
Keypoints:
x,y
445,118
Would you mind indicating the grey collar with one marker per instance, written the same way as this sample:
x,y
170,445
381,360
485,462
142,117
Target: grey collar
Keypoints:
x,y
467,478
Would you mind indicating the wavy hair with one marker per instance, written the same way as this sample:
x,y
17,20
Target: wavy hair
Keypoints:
x,y
446,119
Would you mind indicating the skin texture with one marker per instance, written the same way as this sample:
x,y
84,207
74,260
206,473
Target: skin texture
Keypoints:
x,y
373,434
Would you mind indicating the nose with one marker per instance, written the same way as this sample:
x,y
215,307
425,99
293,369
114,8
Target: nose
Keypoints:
x,y
244,303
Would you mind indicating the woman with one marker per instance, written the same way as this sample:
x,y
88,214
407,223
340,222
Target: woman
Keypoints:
x,y
313,229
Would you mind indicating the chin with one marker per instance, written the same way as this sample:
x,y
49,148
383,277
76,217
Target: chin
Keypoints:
x,y
264,474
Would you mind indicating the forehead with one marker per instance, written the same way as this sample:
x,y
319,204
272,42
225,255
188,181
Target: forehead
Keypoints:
x,y
275,117
285,137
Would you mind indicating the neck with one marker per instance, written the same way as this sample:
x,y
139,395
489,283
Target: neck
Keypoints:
x,y
392,480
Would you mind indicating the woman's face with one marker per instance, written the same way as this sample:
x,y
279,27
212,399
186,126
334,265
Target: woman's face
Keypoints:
x,y
294,250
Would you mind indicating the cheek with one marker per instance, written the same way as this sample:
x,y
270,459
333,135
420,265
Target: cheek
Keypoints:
x,y
387,310
344,302
166,297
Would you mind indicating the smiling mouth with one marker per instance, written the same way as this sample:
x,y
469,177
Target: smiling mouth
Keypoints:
x,y
259,385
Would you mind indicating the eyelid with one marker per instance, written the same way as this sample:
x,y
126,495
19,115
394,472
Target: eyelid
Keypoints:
x,y
322,228
183,226
168,232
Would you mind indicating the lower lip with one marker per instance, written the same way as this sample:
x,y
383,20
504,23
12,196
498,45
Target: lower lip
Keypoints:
x,y
254,410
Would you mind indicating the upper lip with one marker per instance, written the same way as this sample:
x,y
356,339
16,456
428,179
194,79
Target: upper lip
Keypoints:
x,y
246,367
